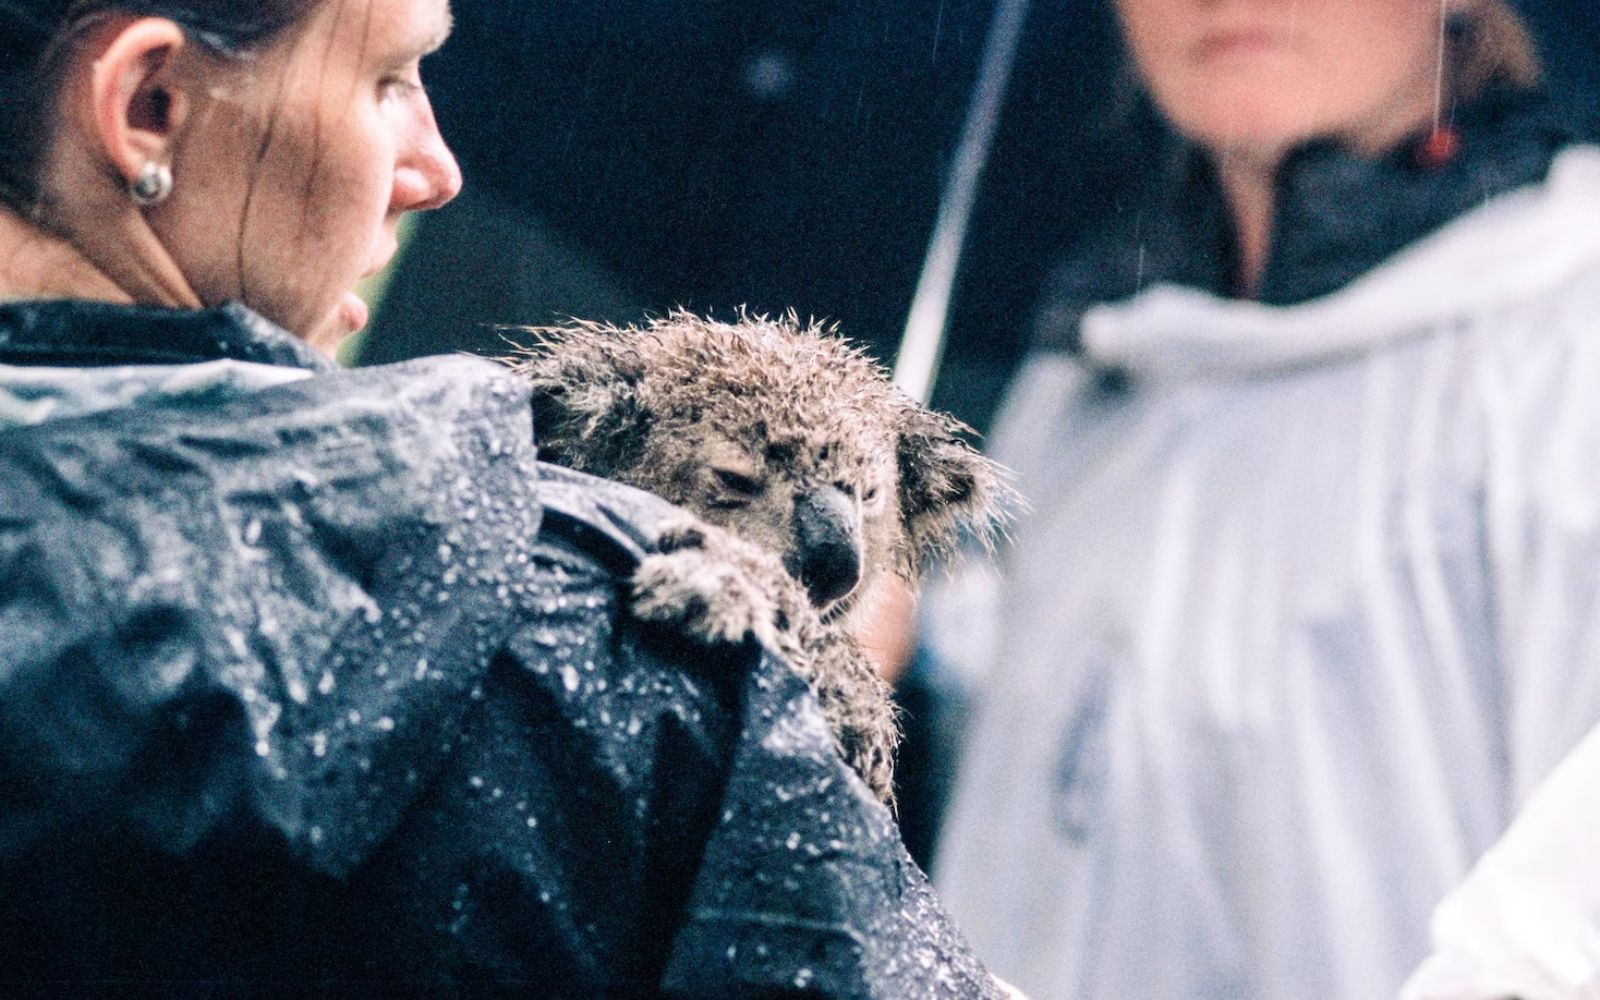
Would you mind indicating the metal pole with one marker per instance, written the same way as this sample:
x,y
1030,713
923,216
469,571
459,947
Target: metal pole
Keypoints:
x,y
922,345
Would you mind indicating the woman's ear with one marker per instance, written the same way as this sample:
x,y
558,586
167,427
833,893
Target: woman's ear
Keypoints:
x,y
137,103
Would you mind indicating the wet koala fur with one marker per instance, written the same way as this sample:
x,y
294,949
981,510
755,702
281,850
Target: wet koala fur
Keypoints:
x,y
810,478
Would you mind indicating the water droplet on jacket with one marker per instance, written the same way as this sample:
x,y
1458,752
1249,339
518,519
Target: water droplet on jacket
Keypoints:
x,y
325,684
384,725
319,744
569,678
546,636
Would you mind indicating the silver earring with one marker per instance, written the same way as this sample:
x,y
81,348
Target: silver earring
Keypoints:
x,y
152,185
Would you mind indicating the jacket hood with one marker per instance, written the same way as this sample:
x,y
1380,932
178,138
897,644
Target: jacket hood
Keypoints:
x,y
1513,247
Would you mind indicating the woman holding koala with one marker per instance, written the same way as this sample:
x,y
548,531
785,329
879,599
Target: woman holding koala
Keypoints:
x,y
1304,608
314,679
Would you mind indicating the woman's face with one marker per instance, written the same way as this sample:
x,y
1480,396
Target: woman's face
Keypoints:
x,y
291,177
1262,75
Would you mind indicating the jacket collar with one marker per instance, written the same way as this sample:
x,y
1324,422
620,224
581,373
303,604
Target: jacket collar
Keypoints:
x,y
69,332
1515,259
1338,216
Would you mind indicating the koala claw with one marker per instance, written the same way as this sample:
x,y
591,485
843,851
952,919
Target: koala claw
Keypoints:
x,y
705,586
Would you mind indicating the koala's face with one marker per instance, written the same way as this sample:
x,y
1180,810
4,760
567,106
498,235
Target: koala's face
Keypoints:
x,y
784,435
825,497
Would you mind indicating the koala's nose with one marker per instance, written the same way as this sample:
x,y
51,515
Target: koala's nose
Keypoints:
x,y
827,552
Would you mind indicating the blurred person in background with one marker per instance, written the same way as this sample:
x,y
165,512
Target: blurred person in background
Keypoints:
x,y
314,680
1304,608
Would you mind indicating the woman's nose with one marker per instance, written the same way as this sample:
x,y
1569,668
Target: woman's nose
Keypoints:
x,y
427,174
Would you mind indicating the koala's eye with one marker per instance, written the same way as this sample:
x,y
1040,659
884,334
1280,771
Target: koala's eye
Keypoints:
x,y
869,494
738,483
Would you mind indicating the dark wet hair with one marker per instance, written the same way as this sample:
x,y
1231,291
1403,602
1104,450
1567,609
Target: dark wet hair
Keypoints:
x,y
35,34
1491,46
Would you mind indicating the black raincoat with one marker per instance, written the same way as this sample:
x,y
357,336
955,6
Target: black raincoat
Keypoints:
x,y
330,687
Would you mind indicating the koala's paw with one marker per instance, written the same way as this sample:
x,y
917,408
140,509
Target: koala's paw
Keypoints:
x,y
703,582
719,588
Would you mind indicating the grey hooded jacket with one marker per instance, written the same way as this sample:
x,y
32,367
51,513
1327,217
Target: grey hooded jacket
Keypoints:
x,y
1305,608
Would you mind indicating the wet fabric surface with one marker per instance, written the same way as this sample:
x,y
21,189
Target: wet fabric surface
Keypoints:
x,y
329,686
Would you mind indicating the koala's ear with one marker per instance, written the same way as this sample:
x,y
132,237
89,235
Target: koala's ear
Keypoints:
x,y
588,413
946,487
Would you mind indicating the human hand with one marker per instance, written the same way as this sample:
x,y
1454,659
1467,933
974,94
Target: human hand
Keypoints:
x,y
888,630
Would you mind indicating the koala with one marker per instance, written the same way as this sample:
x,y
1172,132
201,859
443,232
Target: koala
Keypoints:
x,y
806,476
